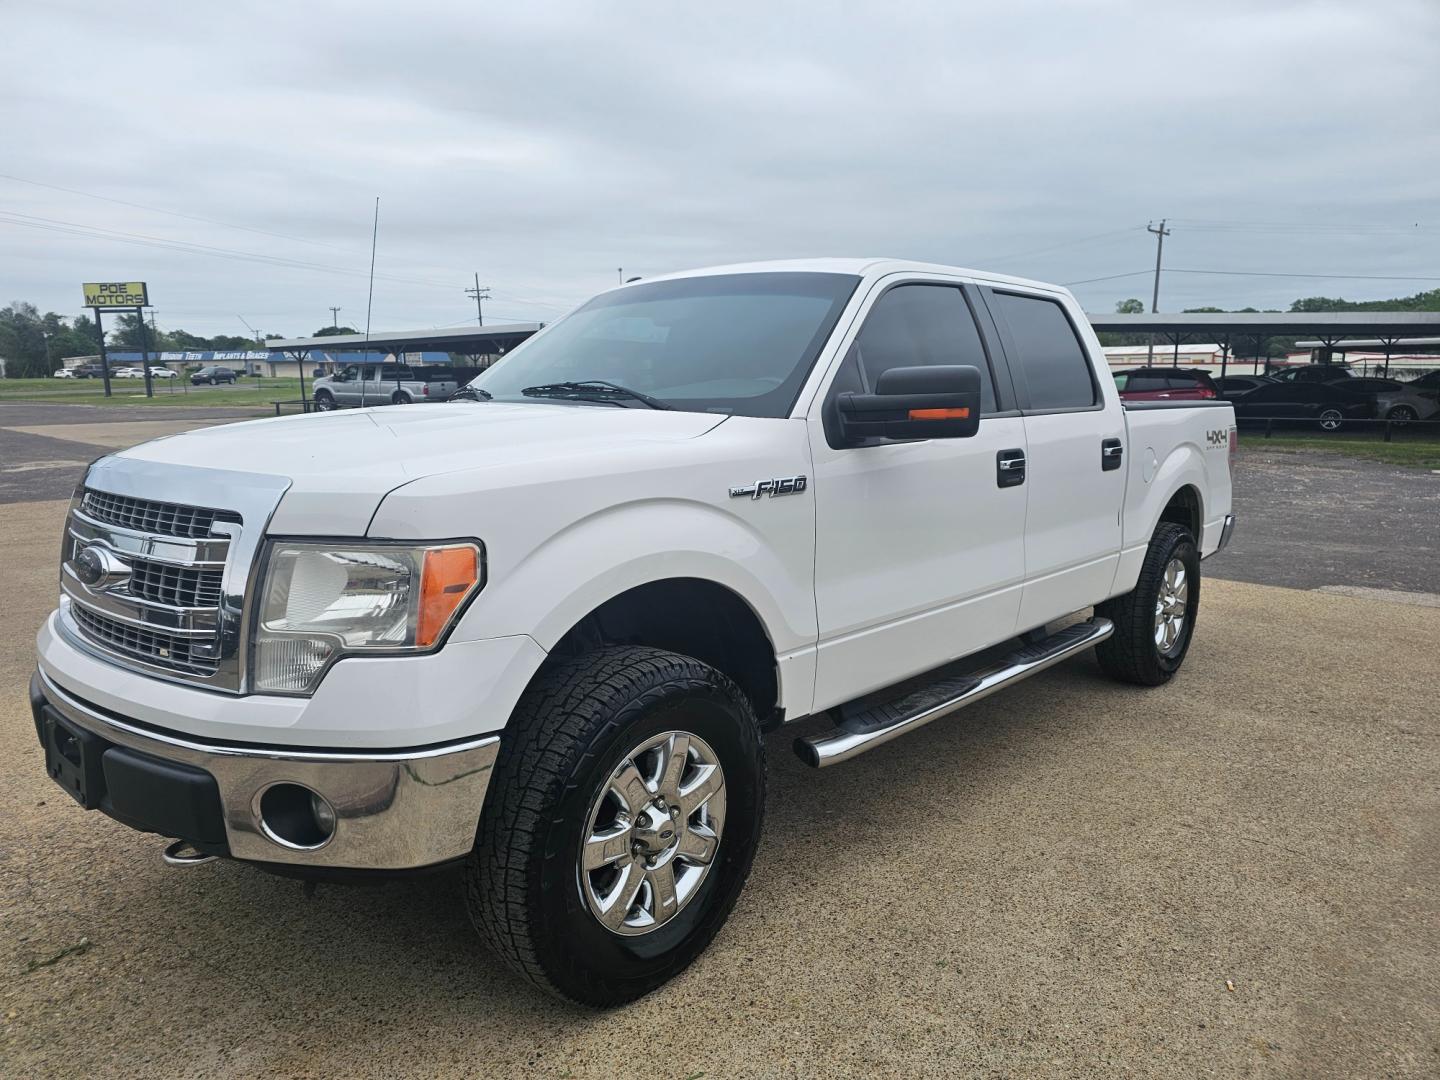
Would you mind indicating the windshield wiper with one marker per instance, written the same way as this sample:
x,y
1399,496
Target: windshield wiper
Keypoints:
x,y
592,387
472,393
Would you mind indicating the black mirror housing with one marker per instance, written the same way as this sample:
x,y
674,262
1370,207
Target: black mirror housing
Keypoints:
x,y
941,402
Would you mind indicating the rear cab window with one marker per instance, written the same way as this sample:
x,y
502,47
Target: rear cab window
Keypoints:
x,y
1046,353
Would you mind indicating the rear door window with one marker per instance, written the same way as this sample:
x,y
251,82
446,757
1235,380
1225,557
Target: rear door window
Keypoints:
x,y
1048,353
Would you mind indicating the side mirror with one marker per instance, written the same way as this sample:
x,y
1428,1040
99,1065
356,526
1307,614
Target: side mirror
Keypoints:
x,y
914,403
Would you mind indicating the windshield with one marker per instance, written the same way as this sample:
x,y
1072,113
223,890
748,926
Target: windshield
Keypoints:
x,y
729,343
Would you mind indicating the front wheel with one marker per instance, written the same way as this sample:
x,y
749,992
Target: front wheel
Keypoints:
x,y
1155,620
324,401
620,824
1331,420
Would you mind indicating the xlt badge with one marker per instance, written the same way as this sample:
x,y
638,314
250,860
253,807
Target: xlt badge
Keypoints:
x,y
786,485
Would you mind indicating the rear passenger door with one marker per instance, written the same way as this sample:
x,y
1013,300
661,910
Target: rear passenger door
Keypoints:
x,y
1072,527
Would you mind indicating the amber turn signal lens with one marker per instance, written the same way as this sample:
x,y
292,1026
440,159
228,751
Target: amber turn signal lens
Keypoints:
x,y
940,414
448,577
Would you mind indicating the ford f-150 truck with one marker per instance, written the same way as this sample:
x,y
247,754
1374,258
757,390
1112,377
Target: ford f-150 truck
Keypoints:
x,y
538,632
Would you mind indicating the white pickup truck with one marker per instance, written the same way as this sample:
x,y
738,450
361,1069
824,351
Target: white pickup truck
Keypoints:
x,y
538,633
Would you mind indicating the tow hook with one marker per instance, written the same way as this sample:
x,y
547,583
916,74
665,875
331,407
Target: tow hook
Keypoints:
x,y
181,853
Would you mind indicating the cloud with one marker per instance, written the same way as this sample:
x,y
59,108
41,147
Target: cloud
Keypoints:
x,y
546,145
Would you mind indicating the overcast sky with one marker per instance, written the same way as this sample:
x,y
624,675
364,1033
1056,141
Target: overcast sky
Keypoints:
x,y
544,145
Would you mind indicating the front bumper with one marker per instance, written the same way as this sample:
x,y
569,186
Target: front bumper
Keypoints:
x,y
397,810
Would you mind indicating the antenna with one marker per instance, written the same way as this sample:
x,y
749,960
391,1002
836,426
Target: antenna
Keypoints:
x,y
370,296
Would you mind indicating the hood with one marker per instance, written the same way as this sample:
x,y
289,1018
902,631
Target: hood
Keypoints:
x,y
341,464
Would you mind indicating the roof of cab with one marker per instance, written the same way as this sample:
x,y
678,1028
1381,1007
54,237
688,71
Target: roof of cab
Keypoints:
x,y
861,267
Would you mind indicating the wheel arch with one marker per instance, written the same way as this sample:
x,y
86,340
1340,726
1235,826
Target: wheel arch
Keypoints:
x,y
692,616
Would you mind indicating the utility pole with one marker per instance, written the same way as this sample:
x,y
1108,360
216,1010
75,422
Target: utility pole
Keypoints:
x,y
620,273
1160,235
334,318
479,294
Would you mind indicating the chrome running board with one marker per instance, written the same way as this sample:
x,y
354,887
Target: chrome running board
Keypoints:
x,y
878,725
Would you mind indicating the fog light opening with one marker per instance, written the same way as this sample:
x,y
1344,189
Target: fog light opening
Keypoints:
x,y
296,817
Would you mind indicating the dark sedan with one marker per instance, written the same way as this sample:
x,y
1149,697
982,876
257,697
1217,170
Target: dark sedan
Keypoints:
x,y
212,375
1324,404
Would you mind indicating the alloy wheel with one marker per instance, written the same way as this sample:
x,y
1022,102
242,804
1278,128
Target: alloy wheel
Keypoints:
x,y
652,833
1170,607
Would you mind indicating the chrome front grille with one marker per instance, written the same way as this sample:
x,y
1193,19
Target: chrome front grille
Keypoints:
x,y
176,586
161,585
152,646
149,516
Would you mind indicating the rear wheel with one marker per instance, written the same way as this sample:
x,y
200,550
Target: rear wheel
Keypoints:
x,y
620,824
400,398
1331,420
1401,415
1155,620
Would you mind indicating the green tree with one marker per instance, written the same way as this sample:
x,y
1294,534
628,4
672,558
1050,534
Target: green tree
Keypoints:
x,y
1130,307
331,331
22,341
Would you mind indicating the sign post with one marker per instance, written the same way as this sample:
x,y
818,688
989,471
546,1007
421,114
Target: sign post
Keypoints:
x,y
119,296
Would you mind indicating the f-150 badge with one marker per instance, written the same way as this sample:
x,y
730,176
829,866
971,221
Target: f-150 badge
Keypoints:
x,y
787,485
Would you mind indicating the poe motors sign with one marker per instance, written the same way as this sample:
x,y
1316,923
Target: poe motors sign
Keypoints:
x,y
116,295
120,296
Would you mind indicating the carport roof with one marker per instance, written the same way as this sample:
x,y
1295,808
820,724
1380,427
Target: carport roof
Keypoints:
x,y
1328,325
463,339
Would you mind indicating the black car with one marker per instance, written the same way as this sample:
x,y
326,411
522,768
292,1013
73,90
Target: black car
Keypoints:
x,y
88,371
1314,373
212,375
1326,404
1232,386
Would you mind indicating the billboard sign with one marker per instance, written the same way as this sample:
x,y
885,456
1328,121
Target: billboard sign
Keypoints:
x,y
114,295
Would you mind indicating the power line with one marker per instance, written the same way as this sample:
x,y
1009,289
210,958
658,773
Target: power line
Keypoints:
x,y
1335,277
1107,277
1057,247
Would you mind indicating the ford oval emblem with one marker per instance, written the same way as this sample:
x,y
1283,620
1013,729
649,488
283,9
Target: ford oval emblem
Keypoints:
x,y
98,567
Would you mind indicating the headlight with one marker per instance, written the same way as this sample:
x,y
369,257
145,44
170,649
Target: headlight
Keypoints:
x,y
320,601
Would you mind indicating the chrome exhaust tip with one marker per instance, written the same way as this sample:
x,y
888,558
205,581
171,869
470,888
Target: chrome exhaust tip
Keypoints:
x,y
182,853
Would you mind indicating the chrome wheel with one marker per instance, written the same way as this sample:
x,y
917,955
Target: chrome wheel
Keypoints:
x,y
652,833
1170,606
1331,419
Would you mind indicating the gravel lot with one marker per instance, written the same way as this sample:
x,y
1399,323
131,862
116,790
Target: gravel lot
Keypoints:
x,y
1066,879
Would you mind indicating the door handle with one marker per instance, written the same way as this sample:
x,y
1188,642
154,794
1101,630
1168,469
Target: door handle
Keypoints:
x,y
1010,468
1112,452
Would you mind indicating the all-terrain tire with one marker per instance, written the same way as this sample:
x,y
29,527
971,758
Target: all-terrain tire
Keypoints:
x,y
1132,654
569,732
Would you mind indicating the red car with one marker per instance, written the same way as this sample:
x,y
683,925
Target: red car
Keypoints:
x,y
1165,384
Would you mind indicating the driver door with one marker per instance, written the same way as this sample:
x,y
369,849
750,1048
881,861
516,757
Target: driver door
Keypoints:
x,y
919,544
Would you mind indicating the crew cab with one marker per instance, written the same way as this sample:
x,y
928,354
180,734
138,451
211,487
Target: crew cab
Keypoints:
x,y
383,384
538,633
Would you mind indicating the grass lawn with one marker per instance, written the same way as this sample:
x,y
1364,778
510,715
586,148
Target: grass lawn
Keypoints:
x,y
248,391
1417,453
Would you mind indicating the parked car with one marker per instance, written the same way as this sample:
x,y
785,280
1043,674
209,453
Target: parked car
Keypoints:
x,y
162,373
127,373
1313,373
1323,404
1418,399
212,375
538,633
1165,384
1232,386
383,384
87,371
63,373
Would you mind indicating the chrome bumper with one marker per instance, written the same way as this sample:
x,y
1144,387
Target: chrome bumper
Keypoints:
x,y
394,811
1225,533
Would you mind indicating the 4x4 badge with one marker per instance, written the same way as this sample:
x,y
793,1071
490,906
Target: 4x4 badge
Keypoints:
x,y
788,485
